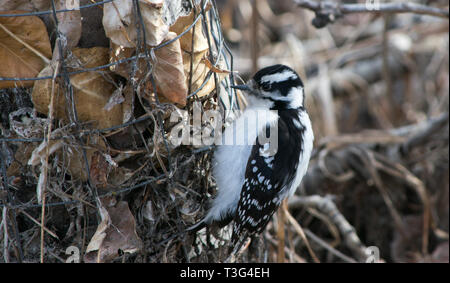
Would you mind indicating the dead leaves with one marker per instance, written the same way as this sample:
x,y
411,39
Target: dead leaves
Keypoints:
x,y
171,64
24,48
200,40
116,232
173,72
69,23
169,73
120,22
92,91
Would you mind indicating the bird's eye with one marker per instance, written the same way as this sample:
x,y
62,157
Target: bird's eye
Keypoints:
x,y
265,87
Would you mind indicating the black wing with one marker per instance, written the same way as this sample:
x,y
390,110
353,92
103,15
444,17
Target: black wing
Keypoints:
x,y
267,176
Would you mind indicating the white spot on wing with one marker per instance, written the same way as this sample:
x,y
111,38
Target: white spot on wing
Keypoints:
x,y
297,124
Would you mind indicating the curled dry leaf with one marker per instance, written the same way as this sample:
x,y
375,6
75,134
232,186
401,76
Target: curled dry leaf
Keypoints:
x,y
99,170
201,66
120,23
119,52
92,91
168,72
74,158
200,40
116,231
115,99
21,157
69,23
25,123
24,48
200,70
106,174
172,65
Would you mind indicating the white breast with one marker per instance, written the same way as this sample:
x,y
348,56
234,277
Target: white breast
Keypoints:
x,y
230,160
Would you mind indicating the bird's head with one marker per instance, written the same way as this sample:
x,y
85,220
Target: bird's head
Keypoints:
x,y
276,87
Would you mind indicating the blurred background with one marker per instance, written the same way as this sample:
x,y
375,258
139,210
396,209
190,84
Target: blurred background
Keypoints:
x,y
377,88
377,92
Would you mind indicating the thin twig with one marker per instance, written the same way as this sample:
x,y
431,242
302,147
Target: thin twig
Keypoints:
x,y
37,222
366,156
327,12
296,257
329,248
327,206
31,48
254,35
280,232
45,165
397,170
423,135
299,230
5,237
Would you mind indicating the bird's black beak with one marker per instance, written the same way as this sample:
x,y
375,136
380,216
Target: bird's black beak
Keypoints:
x,y
241,87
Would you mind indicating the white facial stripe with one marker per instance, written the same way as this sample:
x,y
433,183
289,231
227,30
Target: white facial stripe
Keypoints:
x,y
296,97
278,77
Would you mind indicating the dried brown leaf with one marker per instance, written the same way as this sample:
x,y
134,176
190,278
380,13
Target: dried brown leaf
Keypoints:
x,y
92,91
117,231
119,52
99,170
24,48
169,73
200,40
200,70
120,23
69,23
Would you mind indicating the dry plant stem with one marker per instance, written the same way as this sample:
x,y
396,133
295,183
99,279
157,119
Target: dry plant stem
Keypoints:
x,y
280,232
386,70
402,172
334,231
335,9
329,248
327,206
327,103
368,159
296,257
5,235
299,230
37,222
39,54
423,135
254,36
45,165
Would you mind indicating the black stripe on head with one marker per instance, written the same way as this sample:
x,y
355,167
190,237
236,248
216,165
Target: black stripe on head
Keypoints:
x,y
271,78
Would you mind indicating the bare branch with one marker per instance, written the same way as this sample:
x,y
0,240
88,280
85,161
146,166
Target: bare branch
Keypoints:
x,y
327,206
327,12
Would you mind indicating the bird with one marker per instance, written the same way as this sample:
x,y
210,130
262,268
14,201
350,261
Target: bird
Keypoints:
x,y
252,179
